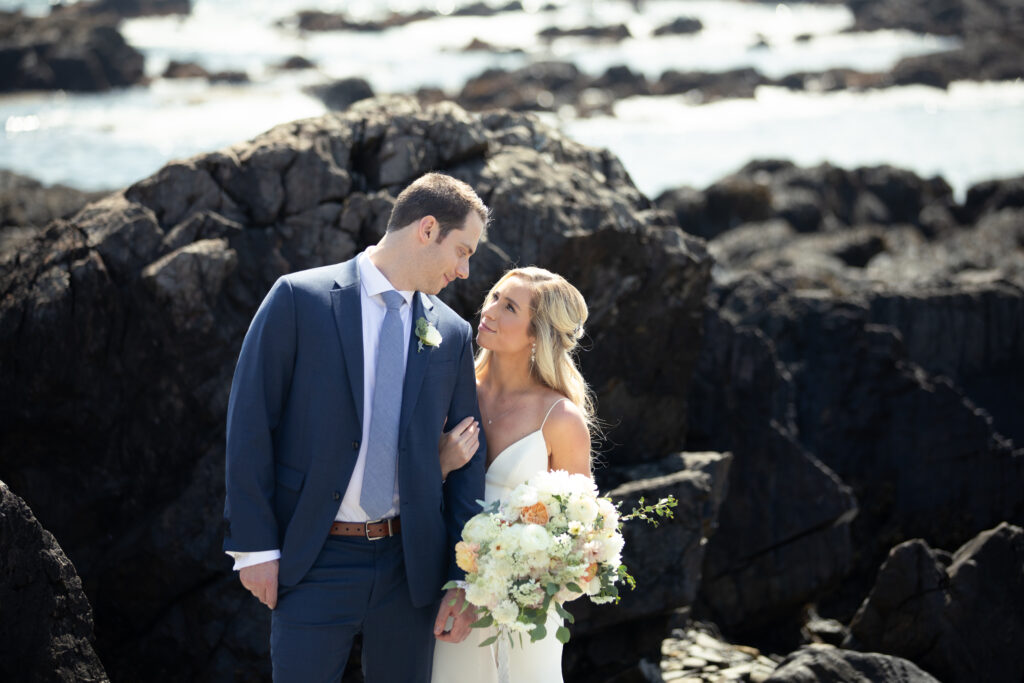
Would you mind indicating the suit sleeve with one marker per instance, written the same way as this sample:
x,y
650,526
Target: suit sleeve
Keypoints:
x,y
259,391
464,486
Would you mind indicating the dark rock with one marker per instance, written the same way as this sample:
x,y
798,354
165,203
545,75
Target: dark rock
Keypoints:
x,y
26,205
724,205
134,8
992,58
994,195
959,618
108,346
614,33
315,20
708,86
477,45
65,51
230,77
542,86
482,9
46,630
178,69
825,664
761,569
342,94
665,561
682,25
296,63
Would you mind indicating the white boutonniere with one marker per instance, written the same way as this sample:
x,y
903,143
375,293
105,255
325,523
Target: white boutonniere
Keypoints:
x,y
427,334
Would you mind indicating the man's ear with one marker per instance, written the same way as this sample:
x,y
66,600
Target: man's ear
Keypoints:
x,y
426,229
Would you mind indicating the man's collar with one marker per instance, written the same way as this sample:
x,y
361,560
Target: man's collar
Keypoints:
x,y
373,281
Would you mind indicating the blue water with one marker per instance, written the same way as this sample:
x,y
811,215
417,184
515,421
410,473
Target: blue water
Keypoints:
x,y
98,141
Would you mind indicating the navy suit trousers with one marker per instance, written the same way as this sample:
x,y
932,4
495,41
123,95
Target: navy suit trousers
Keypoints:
x,y
355,586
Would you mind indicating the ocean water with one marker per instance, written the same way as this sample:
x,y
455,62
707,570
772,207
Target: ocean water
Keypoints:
x,y
972,132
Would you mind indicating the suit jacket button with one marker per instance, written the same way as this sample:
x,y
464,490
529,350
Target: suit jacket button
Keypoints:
x,y
355,445
337,495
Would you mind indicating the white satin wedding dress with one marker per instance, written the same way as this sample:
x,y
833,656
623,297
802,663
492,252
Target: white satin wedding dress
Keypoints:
x,y
539,662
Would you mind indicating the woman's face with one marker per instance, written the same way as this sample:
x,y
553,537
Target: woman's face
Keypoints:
x,y
505,318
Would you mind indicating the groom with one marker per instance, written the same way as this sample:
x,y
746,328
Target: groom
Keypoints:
x,y
336,513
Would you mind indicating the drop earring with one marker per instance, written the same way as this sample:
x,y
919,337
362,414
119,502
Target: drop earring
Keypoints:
x,y
533,353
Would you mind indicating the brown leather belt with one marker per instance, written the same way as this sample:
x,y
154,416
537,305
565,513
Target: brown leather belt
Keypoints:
x,y
372,531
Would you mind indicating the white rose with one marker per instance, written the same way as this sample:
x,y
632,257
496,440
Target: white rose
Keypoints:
x,y
534,538
611,547
523,496
478,529
582,509
505,612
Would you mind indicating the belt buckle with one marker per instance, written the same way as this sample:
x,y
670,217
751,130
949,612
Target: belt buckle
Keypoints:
x,y
366,529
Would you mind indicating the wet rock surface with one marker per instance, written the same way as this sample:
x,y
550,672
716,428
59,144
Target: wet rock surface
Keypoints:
x,y
46,627
67,50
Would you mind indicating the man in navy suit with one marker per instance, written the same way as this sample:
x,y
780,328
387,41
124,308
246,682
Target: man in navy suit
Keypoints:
x,y
299,452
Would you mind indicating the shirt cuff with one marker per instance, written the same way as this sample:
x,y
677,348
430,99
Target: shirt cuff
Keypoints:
x,y
243,560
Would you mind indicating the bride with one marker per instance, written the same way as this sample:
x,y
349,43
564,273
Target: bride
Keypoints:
x,y
537,414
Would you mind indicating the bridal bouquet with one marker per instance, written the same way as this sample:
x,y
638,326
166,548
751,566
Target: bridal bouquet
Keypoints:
x,y
551,541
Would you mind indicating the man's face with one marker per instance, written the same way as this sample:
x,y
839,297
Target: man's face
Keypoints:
x,y
448,259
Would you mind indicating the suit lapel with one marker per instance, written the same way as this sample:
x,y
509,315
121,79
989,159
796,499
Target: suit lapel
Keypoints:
x,y
348,318
416,363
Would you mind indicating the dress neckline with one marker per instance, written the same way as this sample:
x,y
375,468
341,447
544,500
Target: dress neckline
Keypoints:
x,y
517,441
539,430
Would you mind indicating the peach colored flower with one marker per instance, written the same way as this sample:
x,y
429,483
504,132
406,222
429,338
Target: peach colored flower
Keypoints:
x,y
465,556
587,575
535,514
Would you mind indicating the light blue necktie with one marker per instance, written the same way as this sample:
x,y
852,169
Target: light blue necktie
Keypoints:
x,y
382,448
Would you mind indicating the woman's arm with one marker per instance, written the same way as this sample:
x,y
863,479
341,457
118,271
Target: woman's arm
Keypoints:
x,y
569,439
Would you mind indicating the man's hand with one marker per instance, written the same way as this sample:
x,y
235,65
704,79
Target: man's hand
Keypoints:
x,y
462,618
261,581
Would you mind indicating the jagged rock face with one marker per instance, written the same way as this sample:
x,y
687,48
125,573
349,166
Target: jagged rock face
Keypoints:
x,y
921,459
45,619
784,532
119,331
611,640
819,664
957,616
65,51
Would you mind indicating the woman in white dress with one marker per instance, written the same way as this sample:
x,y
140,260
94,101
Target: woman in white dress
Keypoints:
x,y
537,414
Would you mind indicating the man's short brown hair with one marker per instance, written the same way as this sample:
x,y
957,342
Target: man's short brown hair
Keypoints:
x,y
441,196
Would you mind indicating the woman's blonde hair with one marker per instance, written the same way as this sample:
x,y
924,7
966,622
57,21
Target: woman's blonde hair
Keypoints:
x,y
557,314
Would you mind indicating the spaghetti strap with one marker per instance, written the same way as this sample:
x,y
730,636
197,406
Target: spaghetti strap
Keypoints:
x,y
549,411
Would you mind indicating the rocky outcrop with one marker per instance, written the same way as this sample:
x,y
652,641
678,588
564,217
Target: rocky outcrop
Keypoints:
x,y
65,51
957,616
825,664
341,94
120,331
46,630
784,530
665,561
26,205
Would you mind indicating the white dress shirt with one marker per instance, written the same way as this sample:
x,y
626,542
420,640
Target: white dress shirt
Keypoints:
x,y
372,284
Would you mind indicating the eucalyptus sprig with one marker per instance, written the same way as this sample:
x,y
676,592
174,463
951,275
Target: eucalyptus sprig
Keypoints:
x,y
649,513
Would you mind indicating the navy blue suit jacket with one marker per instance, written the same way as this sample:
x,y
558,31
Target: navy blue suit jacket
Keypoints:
x,y
295,420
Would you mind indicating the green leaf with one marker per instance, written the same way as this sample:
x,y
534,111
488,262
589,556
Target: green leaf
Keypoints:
x,y
562,634
573,587
490,640
565,614
538,632
483,622
551,588
450,584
